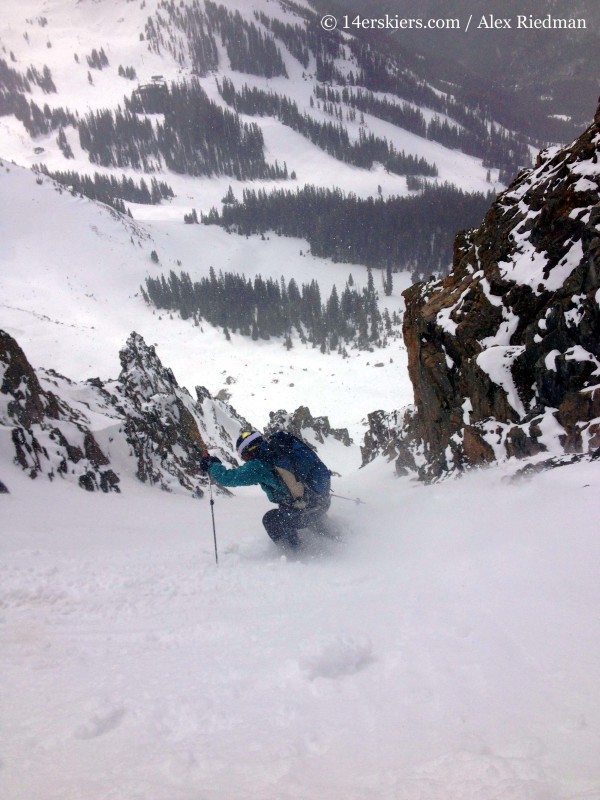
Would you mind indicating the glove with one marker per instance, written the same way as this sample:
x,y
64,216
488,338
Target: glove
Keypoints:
x,y
207,460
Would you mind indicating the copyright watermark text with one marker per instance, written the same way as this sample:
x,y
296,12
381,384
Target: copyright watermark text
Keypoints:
x,y
349,22
395,22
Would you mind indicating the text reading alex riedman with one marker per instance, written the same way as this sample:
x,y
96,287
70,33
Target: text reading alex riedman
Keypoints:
x,y
485,22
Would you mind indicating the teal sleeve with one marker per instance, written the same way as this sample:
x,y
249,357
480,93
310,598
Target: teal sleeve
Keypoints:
x,y
247,475
250,474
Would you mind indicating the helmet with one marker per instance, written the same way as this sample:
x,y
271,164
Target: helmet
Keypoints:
x,y
248,443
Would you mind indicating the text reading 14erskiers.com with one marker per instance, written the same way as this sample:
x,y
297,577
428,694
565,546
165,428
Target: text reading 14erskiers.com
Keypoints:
x,y
486,22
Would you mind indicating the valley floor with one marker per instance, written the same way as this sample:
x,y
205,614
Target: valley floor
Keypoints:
x,y
446,647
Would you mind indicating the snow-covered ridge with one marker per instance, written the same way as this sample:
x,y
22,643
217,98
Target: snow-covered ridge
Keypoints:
x,y
142,425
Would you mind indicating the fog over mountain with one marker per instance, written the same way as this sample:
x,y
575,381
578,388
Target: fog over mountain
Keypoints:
x,y
524,73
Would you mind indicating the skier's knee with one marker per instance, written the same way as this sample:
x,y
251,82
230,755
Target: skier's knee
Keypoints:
x,y
281,528
274,524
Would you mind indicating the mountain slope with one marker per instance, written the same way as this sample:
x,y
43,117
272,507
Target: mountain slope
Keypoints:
x,y
71,277
162,48
441,645
537,78
71,265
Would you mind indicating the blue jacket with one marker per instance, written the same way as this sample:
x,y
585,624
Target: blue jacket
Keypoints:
x,y
250,474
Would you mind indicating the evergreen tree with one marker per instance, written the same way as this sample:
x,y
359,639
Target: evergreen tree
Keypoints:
x,y
389,281
268,308
398,232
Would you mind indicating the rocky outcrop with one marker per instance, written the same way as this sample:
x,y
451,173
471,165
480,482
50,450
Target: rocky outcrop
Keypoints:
x,y
160,419
142,424
96,433
23,398
48,435
394,436
301,422
504,353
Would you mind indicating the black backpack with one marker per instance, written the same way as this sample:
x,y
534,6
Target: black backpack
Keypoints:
x,y
286,452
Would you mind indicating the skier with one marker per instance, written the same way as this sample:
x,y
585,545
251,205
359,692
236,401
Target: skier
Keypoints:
x,y
290,474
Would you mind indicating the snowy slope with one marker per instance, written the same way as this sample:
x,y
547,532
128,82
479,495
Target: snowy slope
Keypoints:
x,y
445,647
426,655
40,33
71,273
70,296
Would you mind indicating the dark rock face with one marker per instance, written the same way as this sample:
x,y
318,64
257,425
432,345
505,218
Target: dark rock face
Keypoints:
x,y
143,423
394,437
26,403
48,436
504,354
160,419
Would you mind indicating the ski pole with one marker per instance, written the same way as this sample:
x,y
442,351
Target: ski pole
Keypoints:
x,y
356,500
212,512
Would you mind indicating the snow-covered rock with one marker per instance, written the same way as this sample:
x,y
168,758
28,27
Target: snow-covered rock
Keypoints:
x,y
504,354
301,422
48,435
142,423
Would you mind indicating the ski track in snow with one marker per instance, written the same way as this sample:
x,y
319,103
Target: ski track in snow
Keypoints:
x,y
408,659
